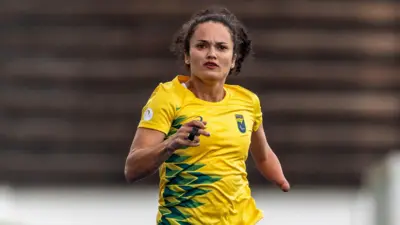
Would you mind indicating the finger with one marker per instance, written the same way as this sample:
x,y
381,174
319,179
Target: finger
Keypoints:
x,y
203,132
188,143
186,137
183,140
196,123
199,132
185,129
188,130
193,143
196,139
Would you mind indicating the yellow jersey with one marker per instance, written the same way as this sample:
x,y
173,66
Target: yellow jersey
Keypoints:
x,y
205,184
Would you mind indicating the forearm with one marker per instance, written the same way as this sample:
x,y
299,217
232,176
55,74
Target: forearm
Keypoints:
x,y
143,162
271,168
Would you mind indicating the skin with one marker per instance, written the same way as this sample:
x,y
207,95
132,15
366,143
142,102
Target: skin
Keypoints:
x,y
211,42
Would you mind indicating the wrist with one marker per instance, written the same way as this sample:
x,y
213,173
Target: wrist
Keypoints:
x,y
168,149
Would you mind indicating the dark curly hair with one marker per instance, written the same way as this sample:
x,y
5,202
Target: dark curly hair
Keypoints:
x,y
242,43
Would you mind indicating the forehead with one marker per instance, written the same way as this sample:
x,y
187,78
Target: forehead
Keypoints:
x,y
213,32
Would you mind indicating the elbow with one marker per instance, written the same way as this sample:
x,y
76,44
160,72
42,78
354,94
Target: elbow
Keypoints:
x,y
129,170
134,170
137,167
133,175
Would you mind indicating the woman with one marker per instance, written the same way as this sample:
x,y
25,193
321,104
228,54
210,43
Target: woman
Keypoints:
x,y
197,130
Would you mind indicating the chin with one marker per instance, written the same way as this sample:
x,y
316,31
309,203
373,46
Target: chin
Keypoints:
x,y
211,76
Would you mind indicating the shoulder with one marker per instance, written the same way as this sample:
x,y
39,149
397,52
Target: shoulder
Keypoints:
x,y
243,93
160,108
164,88
166,91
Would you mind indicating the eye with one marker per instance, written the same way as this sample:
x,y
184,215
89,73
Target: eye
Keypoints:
x,y
200,46
222,47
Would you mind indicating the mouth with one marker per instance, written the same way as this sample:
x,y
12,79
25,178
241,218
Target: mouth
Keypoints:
x,y
211,65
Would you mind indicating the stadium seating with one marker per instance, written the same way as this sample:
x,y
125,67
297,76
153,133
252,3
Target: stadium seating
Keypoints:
x,y
75,75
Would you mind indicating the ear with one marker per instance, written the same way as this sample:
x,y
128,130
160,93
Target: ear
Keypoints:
x,y
233,61
187,59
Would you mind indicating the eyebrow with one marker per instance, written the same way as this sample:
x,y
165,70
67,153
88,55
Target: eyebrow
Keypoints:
x,y
219,43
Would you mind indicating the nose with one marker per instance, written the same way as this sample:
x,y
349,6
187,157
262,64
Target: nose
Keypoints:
x,y
211,54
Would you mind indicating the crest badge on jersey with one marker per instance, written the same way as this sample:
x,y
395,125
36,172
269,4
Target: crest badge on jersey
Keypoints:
x,y
240,123
148,114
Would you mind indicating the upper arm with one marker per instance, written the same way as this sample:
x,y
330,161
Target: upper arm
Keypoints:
x,y
159,111
145,137
156,118
259,146
257,113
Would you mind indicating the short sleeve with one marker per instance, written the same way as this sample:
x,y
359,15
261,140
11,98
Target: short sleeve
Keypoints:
x,y
159,111
258,119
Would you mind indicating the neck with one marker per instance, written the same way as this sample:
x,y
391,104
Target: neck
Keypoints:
x,y
211,92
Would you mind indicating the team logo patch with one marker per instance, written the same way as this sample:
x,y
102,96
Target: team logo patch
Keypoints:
x,y
240,123
148,114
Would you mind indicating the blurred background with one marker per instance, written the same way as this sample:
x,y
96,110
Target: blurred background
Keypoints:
x,y
74,76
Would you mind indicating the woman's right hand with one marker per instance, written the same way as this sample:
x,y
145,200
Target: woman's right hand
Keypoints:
x,y
181,138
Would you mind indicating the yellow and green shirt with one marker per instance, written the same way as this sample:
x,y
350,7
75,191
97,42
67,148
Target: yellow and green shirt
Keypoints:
x,y
205,184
